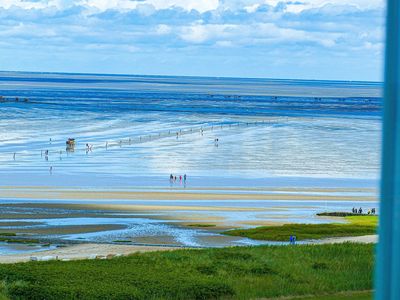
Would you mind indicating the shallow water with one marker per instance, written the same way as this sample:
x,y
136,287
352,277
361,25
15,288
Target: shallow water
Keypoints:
x,y
271,133
9,248
165,227
316,133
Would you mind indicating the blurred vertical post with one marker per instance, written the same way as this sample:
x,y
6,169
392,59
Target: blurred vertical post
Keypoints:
x,y
388,258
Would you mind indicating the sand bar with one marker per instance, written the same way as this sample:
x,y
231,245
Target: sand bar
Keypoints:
x,y
87,194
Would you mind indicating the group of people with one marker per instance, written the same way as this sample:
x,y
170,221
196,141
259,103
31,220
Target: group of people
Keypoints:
x,y
174,178
359,211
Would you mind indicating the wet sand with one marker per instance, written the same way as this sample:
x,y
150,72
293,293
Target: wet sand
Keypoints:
x,y
61,230
174,194
164,216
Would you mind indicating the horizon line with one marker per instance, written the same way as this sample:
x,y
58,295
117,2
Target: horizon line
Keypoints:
x,y
187,76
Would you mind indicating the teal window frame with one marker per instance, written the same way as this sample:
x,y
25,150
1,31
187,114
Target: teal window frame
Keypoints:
x,y
387,275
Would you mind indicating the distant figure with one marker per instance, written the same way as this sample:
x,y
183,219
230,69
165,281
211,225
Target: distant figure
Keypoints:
x,y
360,211
180,178
51,170
184,177
373,211
177,134
46,153
14,156
171,177
174,178
50,140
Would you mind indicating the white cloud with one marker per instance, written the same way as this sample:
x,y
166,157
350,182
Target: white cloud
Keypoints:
x,y
163,29
118,27
199,5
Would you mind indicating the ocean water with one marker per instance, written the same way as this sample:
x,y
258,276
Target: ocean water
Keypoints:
x,y
270,132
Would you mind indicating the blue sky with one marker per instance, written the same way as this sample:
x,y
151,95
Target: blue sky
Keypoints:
x,y
311,39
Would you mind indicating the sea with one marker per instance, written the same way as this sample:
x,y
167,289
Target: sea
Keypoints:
x,y
134,132
137,130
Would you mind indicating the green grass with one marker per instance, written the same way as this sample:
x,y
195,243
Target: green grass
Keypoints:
x,y
365,295
356,226
364,220
227,273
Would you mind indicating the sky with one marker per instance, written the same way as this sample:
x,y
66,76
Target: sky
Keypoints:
x,y
310,39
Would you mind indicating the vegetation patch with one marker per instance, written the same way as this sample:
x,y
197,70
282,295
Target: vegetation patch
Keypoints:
x,y
8,234
201,225
19,241
228,273
356,226
342,214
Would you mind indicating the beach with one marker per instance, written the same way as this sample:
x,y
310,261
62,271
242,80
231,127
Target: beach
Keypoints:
x,y
177,162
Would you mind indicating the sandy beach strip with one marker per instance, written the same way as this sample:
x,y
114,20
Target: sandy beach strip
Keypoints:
x,y
83,251
108,251
87,194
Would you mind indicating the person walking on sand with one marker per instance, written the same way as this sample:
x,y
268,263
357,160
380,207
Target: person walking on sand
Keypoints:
x,y
184,178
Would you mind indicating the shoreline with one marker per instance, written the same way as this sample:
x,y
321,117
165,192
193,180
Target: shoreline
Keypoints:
x,y
312,194
109,251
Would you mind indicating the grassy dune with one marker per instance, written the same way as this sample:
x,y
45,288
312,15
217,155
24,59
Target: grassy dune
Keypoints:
x,y
355,226
228,273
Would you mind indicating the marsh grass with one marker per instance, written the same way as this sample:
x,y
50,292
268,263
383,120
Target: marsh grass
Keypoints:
x,y
356,226
228,273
